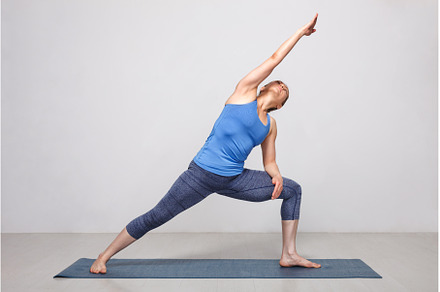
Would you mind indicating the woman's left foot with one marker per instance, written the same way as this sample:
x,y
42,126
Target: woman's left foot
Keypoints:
x,y
297,260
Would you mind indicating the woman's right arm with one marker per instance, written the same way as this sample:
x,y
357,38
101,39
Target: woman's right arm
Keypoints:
x,y
256,76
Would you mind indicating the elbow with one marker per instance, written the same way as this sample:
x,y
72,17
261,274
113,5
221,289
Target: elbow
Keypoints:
x,y
274,56
276,59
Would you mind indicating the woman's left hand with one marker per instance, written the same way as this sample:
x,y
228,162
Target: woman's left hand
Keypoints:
x,y
278,182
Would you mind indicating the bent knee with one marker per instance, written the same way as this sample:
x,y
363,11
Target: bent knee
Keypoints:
x,y
292,186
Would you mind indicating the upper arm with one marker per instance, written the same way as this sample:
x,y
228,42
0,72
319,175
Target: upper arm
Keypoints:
x,y
256,76
268,145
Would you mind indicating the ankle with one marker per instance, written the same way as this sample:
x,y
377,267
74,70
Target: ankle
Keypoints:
x,y
103,258
288,253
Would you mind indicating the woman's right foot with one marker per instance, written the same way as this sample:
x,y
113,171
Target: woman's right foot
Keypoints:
x,y
99,266
297,260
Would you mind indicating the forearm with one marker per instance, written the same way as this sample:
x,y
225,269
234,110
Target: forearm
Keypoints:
x,y
287,46
272,169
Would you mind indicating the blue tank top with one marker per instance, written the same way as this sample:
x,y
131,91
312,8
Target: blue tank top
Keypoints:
x,y
235,133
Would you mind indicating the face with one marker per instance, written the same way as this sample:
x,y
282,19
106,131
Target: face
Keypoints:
x,y
284,89
280,89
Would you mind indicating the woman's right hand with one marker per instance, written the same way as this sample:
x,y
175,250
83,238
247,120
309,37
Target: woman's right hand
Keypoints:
x,y
308,29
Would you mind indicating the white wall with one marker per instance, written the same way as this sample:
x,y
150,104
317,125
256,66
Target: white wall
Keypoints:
x,y
105,103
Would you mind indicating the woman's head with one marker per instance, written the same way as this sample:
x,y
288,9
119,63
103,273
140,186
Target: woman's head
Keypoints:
x,y
277,91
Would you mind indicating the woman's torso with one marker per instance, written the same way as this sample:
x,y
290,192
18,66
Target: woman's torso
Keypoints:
x,y
238,129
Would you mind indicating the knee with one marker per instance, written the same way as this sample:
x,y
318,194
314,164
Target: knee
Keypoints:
x,y
292,186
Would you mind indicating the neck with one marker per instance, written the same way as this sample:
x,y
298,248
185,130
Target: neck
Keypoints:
x,y
264,102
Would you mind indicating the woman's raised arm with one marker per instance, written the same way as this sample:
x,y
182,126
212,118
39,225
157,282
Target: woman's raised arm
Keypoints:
x,y
256,76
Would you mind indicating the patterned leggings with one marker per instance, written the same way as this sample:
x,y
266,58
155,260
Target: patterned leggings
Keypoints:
x,y
196,183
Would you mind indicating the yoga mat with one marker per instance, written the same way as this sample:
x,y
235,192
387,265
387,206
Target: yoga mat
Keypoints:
x,y
219,268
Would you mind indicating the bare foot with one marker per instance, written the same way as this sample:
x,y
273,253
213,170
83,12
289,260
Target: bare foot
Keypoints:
x,y
297,260
99,266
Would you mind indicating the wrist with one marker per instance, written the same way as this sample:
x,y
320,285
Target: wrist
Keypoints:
x,y
277,175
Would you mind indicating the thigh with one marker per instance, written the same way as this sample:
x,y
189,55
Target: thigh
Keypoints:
x,y
181,196
184,193
258,187
251,185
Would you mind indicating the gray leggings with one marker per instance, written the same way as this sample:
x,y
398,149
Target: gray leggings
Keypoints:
x,y
196,183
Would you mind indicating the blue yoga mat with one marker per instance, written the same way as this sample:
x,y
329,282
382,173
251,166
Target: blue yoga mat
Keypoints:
x,y
219,268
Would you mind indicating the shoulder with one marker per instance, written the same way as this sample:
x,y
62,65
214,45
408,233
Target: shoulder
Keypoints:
x,y
242,95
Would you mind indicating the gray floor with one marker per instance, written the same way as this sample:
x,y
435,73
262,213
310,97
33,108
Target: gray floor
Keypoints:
x,y
406,261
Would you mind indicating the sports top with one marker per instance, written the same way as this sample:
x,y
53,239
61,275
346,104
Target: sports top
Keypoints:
x,y
235,133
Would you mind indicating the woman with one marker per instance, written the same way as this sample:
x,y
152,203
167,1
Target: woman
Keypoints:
x,y
218,166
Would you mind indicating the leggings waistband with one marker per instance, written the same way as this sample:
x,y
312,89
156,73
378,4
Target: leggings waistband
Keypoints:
x,y
193,163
